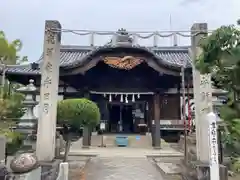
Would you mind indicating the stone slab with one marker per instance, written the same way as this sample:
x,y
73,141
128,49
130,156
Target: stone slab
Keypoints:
x,y
170,159
169,168
126,152
77,159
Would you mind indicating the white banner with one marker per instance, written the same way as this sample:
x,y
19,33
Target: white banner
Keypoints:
x,y
213,146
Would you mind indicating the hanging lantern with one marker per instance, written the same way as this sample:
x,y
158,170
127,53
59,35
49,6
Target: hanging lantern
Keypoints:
x,y
110,98
138,96
133,98
126,98
121,98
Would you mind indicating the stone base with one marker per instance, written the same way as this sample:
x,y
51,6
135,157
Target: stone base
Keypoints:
x,y
85,147
50,169
34,174
191,141
4,173
201,171
157,147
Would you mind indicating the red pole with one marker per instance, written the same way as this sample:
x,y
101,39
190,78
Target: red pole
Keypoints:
x,y
189,109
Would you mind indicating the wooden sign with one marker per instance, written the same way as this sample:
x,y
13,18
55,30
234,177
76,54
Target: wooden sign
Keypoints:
x,y
126,62
102,126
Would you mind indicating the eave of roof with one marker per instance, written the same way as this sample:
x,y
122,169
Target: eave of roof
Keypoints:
x,y
168,56
71,56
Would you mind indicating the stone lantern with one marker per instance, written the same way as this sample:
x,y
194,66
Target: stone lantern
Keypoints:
x,y
28,122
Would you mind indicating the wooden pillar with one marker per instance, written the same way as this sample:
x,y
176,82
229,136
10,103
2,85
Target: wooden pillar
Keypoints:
x,y
9,88
64,90
86,142
179,94
156,106
105,112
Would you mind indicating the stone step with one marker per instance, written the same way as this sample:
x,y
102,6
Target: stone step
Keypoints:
x,y
96,140
140,141
109,140
135,141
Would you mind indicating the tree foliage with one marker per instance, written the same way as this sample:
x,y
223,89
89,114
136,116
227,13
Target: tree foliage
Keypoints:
x,y
78,112
9,51
14,142
15,106
73,114
221,57
11,106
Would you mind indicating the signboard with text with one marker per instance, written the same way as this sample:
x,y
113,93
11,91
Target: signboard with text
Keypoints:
x,y
213,146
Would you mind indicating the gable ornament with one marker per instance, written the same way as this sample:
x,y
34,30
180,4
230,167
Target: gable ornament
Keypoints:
x,y
126,62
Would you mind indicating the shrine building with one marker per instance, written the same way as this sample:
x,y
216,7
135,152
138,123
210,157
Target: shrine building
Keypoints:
x,y
128,81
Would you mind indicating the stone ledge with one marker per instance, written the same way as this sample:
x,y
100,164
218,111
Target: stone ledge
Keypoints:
x,y
191,140
169,170
196,170
50,169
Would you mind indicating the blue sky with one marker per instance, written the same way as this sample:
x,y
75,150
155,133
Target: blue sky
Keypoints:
x,y
25,19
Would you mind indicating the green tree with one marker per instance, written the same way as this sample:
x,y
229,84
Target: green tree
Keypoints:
x,y
11,106
221,57
9,56
9,51
73,114
4,109
15,106
14,142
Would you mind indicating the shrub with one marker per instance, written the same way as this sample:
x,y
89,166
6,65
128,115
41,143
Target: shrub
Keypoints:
x,y
78,112
4,109
12,107
16,109
14,142
73,114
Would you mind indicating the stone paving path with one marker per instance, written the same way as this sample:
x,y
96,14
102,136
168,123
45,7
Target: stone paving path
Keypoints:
x,y
120,168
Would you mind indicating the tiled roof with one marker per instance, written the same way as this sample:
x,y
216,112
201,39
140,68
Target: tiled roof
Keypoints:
x,y
71,56
22,69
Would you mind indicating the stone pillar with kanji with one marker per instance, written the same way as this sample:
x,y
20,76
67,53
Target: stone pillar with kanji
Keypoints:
x,y
202,93
45,149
